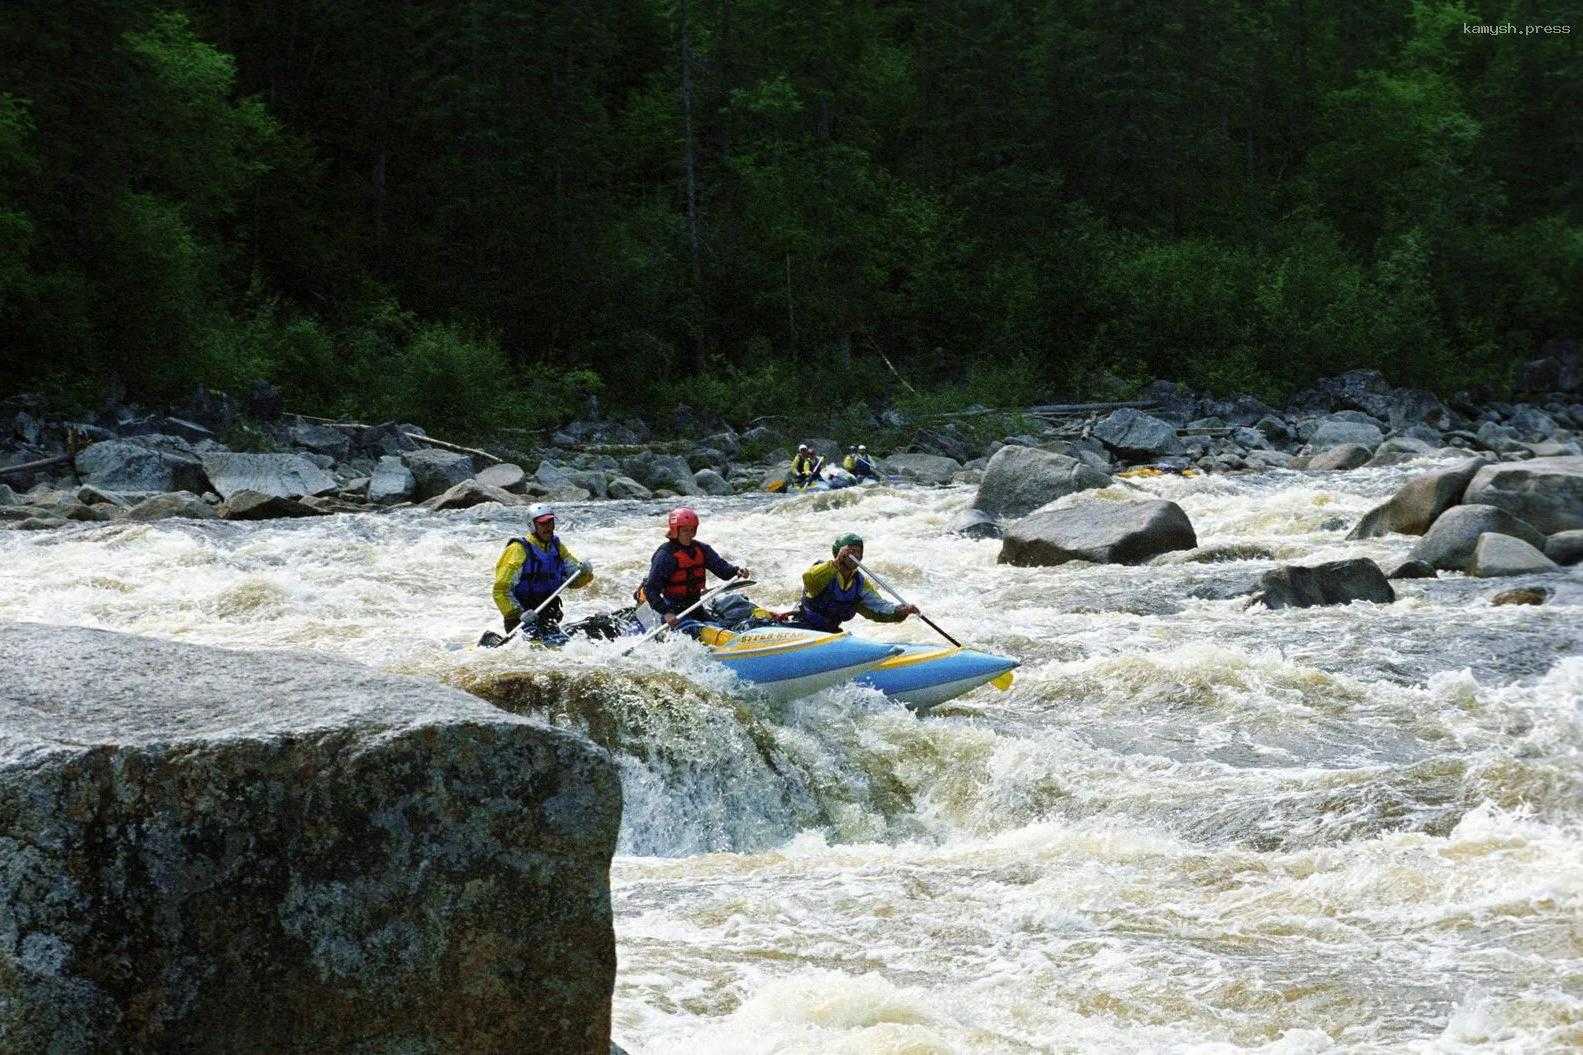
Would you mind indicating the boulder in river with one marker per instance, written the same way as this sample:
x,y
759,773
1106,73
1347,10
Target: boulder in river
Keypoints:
x,y
282,475
253,505
1102,532
1521,595
392,481
1341,456
1565,547
507,476
1132,435
120,465
232,851
1334,582
1414,507
435,471
1546,492
929,469
711,482
974,523
626,487
1498,555
179,504
1019,480
1335,430
470,493
1450,543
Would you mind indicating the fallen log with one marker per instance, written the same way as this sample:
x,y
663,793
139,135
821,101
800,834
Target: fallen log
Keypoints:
x,y
43,463
423,438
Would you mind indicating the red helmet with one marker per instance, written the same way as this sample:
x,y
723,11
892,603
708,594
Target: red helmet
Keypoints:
x,y
680,517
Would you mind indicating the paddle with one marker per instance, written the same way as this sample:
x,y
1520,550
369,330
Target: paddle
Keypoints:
x,y
494,640
734,584
883,585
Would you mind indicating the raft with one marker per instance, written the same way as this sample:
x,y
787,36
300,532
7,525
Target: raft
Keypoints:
x,y
925,676
788,663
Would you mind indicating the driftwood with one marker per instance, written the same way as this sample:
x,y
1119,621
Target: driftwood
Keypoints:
x,y
427,441
1048,410
43,463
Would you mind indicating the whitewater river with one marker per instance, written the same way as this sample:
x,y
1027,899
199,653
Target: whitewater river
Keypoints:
x,y
1186,828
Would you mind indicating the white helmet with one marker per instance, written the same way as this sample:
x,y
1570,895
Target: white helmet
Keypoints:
x,y
539,510
861,449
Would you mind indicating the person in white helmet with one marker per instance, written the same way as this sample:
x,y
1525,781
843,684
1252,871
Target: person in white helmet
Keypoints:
x,y
804,466
530,570
857,463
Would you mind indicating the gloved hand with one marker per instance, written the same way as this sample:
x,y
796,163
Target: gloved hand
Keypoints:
x,y
743,573
585,566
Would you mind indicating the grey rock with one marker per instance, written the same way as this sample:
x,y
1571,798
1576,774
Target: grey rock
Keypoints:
x,y
1335,430
929,469
1019,480
1250,438
1499,438
189,431
89,495
1269,460
1102,532
35,523
1449,543
1335,582
724,442
707,458
1219,553
1499,555
507,476
435,471
974,523
121,465
470,493
227,851
1275,429
626,487
321,439
711,482
254,505
1132,435
1565,547
1546,492
762,438
1398,449
1413,508
657,471
392,481
181,504
1411,569
8,497
1341,456
1531,424
284,475
388,438
1555,449
1521,595
264,402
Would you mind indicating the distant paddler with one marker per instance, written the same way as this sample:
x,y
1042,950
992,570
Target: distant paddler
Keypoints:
x,y
532,569
805,467
678,572
835,590
857,463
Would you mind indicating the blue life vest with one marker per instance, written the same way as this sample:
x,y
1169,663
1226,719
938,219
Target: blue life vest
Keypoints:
x,y
541,573
834,605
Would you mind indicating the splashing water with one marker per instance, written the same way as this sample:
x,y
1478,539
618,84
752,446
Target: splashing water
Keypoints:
x,y
1186,828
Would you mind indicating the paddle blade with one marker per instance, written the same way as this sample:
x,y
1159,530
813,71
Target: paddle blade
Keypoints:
x,y
491,640
1004,681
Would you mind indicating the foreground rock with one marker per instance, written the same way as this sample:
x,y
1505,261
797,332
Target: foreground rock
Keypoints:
x,y
1102,532
1449,544
280,475
1546,492
931,469
351,862
251,505
1521,595
182,505
1335,582
1340,457
974,523
434,471
391,481
1412,509
1019,480
1498,555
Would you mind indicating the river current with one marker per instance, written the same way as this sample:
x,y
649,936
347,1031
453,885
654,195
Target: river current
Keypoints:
x,y
1186,828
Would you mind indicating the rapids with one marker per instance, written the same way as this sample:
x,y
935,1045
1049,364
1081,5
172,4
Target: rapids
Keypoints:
x,y
1186,828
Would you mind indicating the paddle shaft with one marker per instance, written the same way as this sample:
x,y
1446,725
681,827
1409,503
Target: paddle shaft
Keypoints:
x,y
577,569
883,585
734,584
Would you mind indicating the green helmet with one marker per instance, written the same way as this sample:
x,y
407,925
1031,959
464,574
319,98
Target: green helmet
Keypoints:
x,y
849,539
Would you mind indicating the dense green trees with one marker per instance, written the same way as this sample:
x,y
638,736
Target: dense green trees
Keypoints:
x,y
440,210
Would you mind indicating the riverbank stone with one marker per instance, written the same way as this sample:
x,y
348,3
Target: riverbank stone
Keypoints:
x,y
281,475
229,851
435,471
1449,544
1341,457
182,505
1565,547
1414,507
391,481
1499,555
1019,480
929,469
1101,532
1546,492
1132,435
121,465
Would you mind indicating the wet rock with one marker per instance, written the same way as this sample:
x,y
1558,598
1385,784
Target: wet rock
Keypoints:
x,y
724,442
1216,554
707,458
121,465
1565,547
392,481
1411,569
321,439
326,505
1449,544
181,504
661,471
762,438
388,438
930,469
1413,508
1132,435
95,514
1172,400
1521,595
1019,480
89,495
711,483
284,475
507,476
974,523
1102,532
255,505
1334,582
1269,460
435,471
35,522
1532,424
470,493
1341,456
1499,555
626,487
1337,430
1546,492
352,861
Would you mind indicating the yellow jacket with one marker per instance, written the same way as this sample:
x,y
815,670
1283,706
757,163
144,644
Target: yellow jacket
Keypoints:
x,y
508,569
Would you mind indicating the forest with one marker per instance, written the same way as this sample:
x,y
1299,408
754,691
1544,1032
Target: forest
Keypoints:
x,y
476,213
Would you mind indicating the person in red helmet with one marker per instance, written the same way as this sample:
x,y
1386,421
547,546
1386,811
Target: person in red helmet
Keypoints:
x,y
679,567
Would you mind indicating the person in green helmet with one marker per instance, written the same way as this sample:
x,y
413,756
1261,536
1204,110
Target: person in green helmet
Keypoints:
x,y
834,590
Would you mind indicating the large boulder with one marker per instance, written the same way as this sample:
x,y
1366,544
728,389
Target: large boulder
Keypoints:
x,y
1449,544
470,493
1565,547
1342,456
925,468
321,439
251,505
1336,430
1019,480
392,481
1102,532
974,523
657,471
182,505
626,487
1546,492
1498,555
507,476
282,475
1413,508
711,483
1335,582
229,851
119,465
1132,435
435,471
